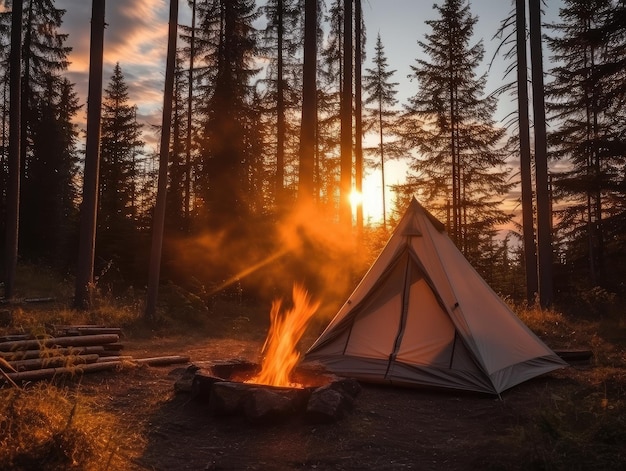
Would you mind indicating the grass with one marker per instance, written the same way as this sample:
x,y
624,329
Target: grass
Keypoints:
x,y
583,425
44,427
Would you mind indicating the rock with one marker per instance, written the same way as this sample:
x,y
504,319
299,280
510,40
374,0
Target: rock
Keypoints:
x,y
202,385
228,398
327,404
349,386
265,406
185,378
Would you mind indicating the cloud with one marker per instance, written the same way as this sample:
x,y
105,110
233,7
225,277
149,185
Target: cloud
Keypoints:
x,y
136,37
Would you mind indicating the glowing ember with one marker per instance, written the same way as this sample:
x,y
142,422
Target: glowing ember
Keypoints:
x,y
280,356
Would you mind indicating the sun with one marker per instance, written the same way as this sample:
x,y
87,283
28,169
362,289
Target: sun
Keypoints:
x,y
356,199
369,201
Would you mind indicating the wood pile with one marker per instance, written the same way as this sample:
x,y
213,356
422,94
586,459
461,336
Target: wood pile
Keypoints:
x,y
67,350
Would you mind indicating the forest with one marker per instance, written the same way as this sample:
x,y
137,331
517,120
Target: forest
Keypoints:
x,y
274,120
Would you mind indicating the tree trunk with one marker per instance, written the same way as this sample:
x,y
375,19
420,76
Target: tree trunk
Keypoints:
x,y
192,52
309,106
358,117
345,209
89,207
528,227
159,209
280,112
13,186
544,216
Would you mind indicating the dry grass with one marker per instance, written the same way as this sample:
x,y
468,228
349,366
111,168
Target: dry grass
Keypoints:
x,y
44,427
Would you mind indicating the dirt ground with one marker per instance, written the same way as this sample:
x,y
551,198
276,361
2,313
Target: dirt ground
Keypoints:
x,y
389,428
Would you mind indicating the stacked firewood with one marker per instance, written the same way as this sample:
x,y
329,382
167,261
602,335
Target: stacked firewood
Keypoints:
x,y
71,349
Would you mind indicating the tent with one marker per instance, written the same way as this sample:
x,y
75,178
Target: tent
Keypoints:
x,y
422,316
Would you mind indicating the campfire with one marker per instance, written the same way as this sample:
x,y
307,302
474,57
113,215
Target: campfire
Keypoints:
x,y
280,355
277,388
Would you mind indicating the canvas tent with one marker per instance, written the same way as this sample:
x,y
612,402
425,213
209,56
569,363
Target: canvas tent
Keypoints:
x,y
423,316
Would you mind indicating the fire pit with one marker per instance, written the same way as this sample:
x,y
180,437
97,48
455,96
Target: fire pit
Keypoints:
x,y
275,389
320,398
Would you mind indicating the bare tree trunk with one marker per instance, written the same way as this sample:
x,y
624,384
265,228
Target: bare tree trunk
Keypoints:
x,y
192,52
13,187
544,216
528,227
309,104
358,110
345,209
280,112
158,223
89,207
382,161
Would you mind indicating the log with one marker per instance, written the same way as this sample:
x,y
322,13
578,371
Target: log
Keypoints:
x,y
154,361
47,373
53,362
69,330
60,327
113,348
13,337
77,341
39,300
51,352
163,361
115,358
574,355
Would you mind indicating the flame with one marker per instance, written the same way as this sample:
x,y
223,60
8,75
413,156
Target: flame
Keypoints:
x,y
280,356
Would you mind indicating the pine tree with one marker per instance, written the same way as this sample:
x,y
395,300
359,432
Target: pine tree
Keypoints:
x,y
53,168
584,101
224,156
280,42
120,142
175,208
449,122
382,94
330,78
44,58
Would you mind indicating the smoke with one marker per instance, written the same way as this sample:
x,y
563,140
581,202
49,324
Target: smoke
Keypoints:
x,y
265,258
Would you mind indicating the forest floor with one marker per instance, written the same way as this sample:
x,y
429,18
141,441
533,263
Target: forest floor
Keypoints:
x,y
571,419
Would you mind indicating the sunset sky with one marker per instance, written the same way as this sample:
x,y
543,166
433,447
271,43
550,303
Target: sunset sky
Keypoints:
x,y
136,37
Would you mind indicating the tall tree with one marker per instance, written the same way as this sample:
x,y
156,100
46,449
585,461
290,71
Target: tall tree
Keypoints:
x,y
382,94
544,207
586,104
13,194
280,42
158,221
450,123
330,80
44,58
309,105
528,227
53,168
345,187
359,39
44,54
176,210
120,141
89,205
224,156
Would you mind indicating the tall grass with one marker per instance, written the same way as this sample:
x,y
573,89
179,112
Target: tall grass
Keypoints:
x,y
44,427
